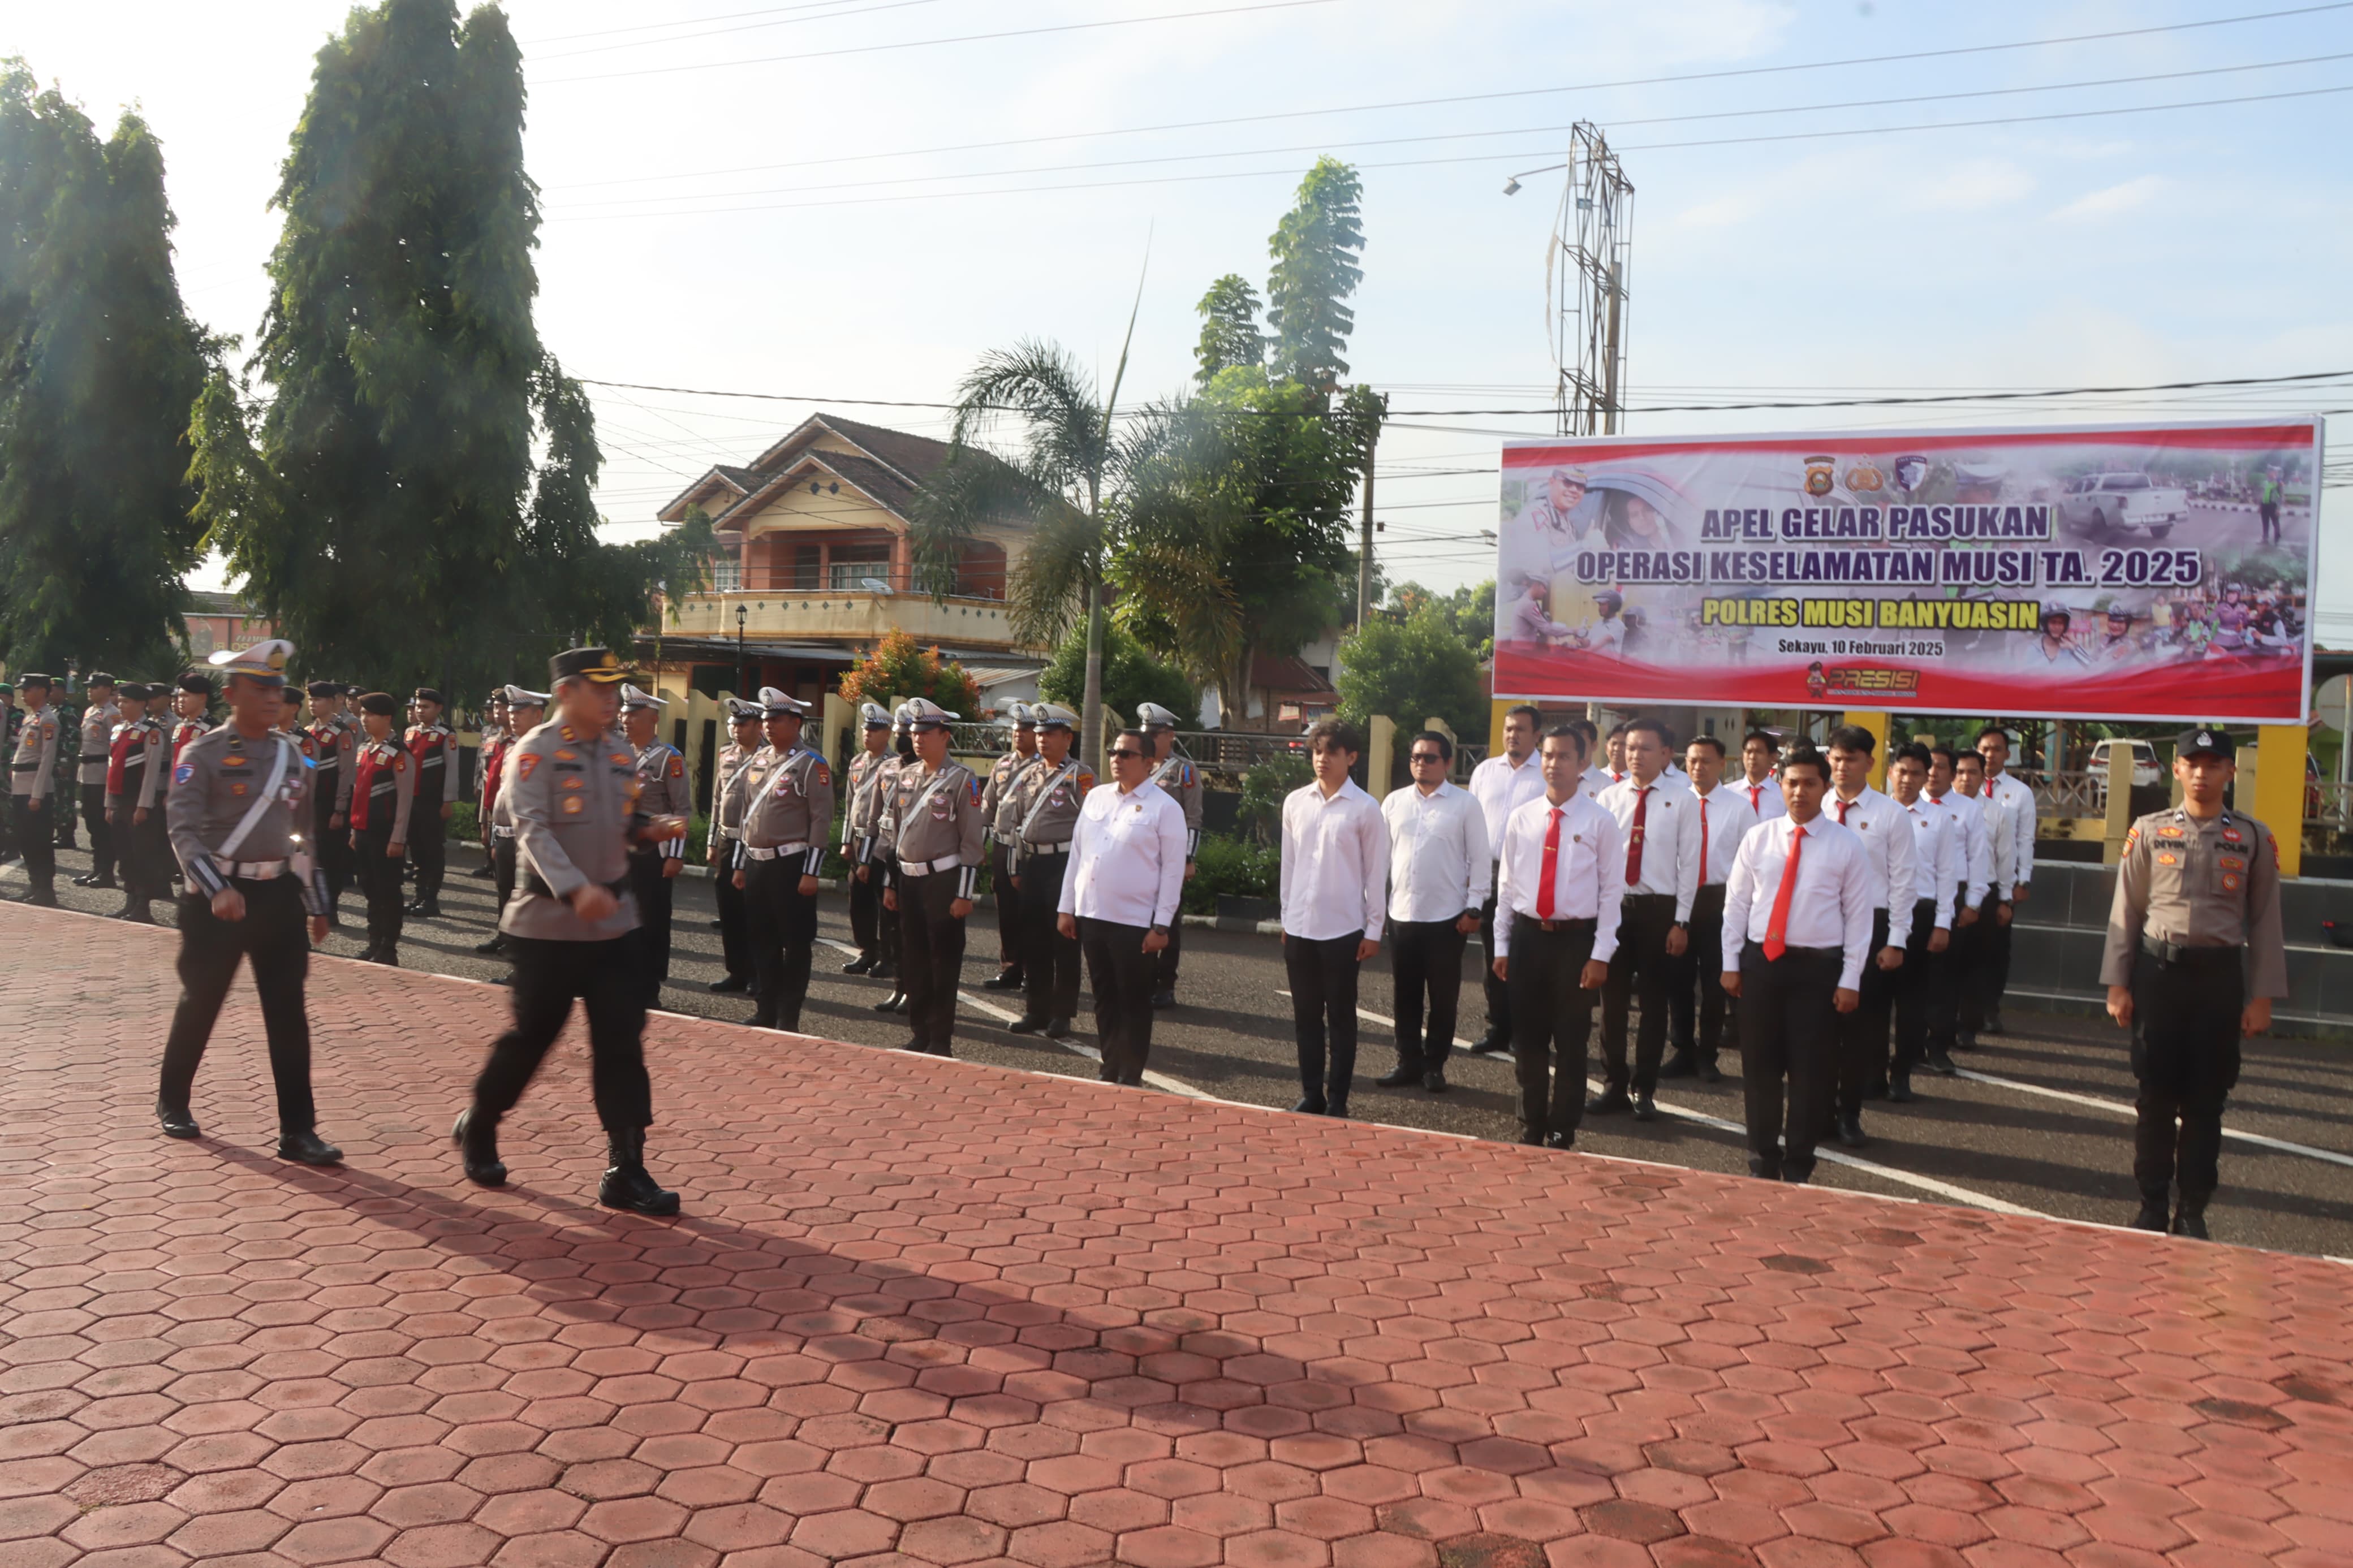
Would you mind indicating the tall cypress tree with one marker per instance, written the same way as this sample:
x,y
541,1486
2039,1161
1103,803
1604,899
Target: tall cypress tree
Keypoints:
x,y
388,514
99,363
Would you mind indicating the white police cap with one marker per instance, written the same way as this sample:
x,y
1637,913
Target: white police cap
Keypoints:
x,y
1152,716
631,697
1053,716
777,704
923,713
874,716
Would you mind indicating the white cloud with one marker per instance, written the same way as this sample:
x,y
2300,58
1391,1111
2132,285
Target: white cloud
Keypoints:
x,y
2110,199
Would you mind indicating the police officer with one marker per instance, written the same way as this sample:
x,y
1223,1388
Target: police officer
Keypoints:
x,y
876,859
1044,806
526,712
930,834
496,737
1179,780
997,806
785,803
238,811
573,793
332,745
863,782
134,804
32,787
2193,960
8,721
654,866
434,752
726,838
101,714
384,795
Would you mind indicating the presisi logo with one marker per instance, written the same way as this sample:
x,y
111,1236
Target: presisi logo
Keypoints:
x,y
1871,678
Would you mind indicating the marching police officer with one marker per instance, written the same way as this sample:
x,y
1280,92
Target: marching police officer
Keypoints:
x,y
383,795
1044,809
572,794
32,788
863,782
930,834
1177,778
784,801
653,867
101,713
726,848
435,751
526,712
2194,957
997,805
238,807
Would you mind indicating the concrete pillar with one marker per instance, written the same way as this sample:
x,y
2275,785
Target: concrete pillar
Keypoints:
x,y
2277,797
1380,755
833,740
1876,722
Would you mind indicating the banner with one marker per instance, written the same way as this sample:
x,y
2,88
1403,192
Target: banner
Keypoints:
x,y
2130,572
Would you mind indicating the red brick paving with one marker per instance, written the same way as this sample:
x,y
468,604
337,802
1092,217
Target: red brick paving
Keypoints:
x,y
924,1312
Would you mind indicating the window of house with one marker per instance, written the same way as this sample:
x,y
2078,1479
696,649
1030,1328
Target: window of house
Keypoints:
x,y
200,638
852,565
726,573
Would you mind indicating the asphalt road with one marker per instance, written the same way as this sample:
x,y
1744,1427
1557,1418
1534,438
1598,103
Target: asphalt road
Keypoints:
x,y
2212,527
2039,1121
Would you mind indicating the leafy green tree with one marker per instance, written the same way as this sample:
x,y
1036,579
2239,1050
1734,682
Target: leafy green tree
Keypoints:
x,y
1410,671
384,507
99,365
1316,269
1131,676
1229,330
1470,610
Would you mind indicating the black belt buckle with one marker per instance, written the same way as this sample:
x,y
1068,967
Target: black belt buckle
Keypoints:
x,y
2175,955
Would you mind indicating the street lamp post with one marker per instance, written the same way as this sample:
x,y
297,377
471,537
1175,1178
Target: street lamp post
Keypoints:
x,y
740,670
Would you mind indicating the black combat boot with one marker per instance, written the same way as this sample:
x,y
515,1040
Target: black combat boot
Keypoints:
x,y
2152,1215
626,1186
477,1137
308,1148
2190,1218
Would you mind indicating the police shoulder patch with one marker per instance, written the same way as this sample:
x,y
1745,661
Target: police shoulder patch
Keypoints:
x,y
677,767
975,785
183,772
824,773
1086,781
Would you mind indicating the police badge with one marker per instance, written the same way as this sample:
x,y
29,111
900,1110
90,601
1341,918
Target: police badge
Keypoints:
x,y
1864,479
1822,475
1911,471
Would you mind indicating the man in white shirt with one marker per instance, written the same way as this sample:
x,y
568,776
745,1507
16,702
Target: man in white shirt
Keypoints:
x,y
1797,932
1502,784
1886,837
1940,859
1661,824
1559,885
1697,1010
1119,896
1595,778
1440,871
1759,753
1336,865
1976,876
2010,816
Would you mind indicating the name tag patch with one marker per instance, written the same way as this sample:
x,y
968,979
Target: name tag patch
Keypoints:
x,y
572,805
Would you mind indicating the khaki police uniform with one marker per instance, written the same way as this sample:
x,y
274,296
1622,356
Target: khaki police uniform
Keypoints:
x,y
135,784
878,872
1181,781
2194,929
786,808
930,835
662,792
99,722
863,782
1044,815
726,836
996,811
32,789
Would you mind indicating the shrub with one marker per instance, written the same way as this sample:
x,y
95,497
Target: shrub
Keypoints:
x,y
1226,865
1263,788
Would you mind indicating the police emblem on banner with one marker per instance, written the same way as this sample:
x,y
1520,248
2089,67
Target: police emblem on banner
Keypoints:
x,y
1822,475
1864,479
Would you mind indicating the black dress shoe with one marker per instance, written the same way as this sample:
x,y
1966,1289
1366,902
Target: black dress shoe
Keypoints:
x,y
1163,1000
1899,1090
1337,1110
883,970
1003,980
1645,1110
85,880
2191,1222
717,924
308,1148
729,986
484,872
1563,1141
496,944
1993,1024
1057,1029
1026,1026
388,957
1308,1106
1679,1065
1608,1102
42,900
1849,1131
1964,1040
429,912
1492,1045
1434,1081
177,1121
1940,1064
1763,1169
2152,1215
1710,1073
477,1145
1400,1076
859,964
105,882
1531,1138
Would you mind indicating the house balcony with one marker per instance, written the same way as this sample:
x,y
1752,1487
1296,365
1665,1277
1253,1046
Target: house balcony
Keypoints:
x,y
816,615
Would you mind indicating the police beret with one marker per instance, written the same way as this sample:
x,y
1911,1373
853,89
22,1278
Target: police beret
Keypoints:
x,y
380,702
323,689
200,684
28,680
100,678
426,694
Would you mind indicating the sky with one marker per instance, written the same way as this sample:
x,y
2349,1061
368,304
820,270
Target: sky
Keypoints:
x,y
833,200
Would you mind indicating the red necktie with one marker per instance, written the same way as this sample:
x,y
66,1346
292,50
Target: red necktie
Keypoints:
x,y
1551,864
1777,927
1702,840
1634,837
1841,806
1988,795
1757,799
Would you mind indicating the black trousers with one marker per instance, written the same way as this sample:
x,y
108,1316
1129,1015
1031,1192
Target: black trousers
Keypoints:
x,y
1552,1023
653,890
1123,977
780,933
1698,1005
334,846
1426,966
865,916
608,978
889,937
503,871
1861,1035
1324,1013
2185,1051
1167,960
1010,928
1641,969
1919,986
143,853
1497,993
429,847
36,842
1050,961
101,832
379,878
272,937
734,917
931,957
1989,971
1788,1014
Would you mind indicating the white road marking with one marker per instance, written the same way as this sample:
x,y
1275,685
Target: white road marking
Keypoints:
x,y
2123,1108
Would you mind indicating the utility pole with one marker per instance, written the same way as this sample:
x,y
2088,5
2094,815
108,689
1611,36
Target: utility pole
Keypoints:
x,y
1364,532
1592,242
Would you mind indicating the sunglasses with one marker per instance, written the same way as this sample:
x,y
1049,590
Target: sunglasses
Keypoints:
x,y
1426,757
1116,755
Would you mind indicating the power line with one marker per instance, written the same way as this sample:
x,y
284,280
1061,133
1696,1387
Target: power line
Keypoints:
x,y
834,10
1488,97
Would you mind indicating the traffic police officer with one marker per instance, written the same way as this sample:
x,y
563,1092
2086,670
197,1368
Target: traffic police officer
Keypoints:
x,y
32,788
101,714
2193,960
784,801
525,711
384,795
864,784
930,834
653,867
1044,806
573,793
1177,778
238,805
725,852
874,859
434,752
997,806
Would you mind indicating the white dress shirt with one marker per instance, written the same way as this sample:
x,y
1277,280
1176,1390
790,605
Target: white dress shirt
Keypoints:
x,y
1829,907
1938,856
2009,813
1725,816
1977,844
1596,780
1764,799
1336,863
1501,788
1888,839
1670,838
1588,871
1439,864
1127,856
